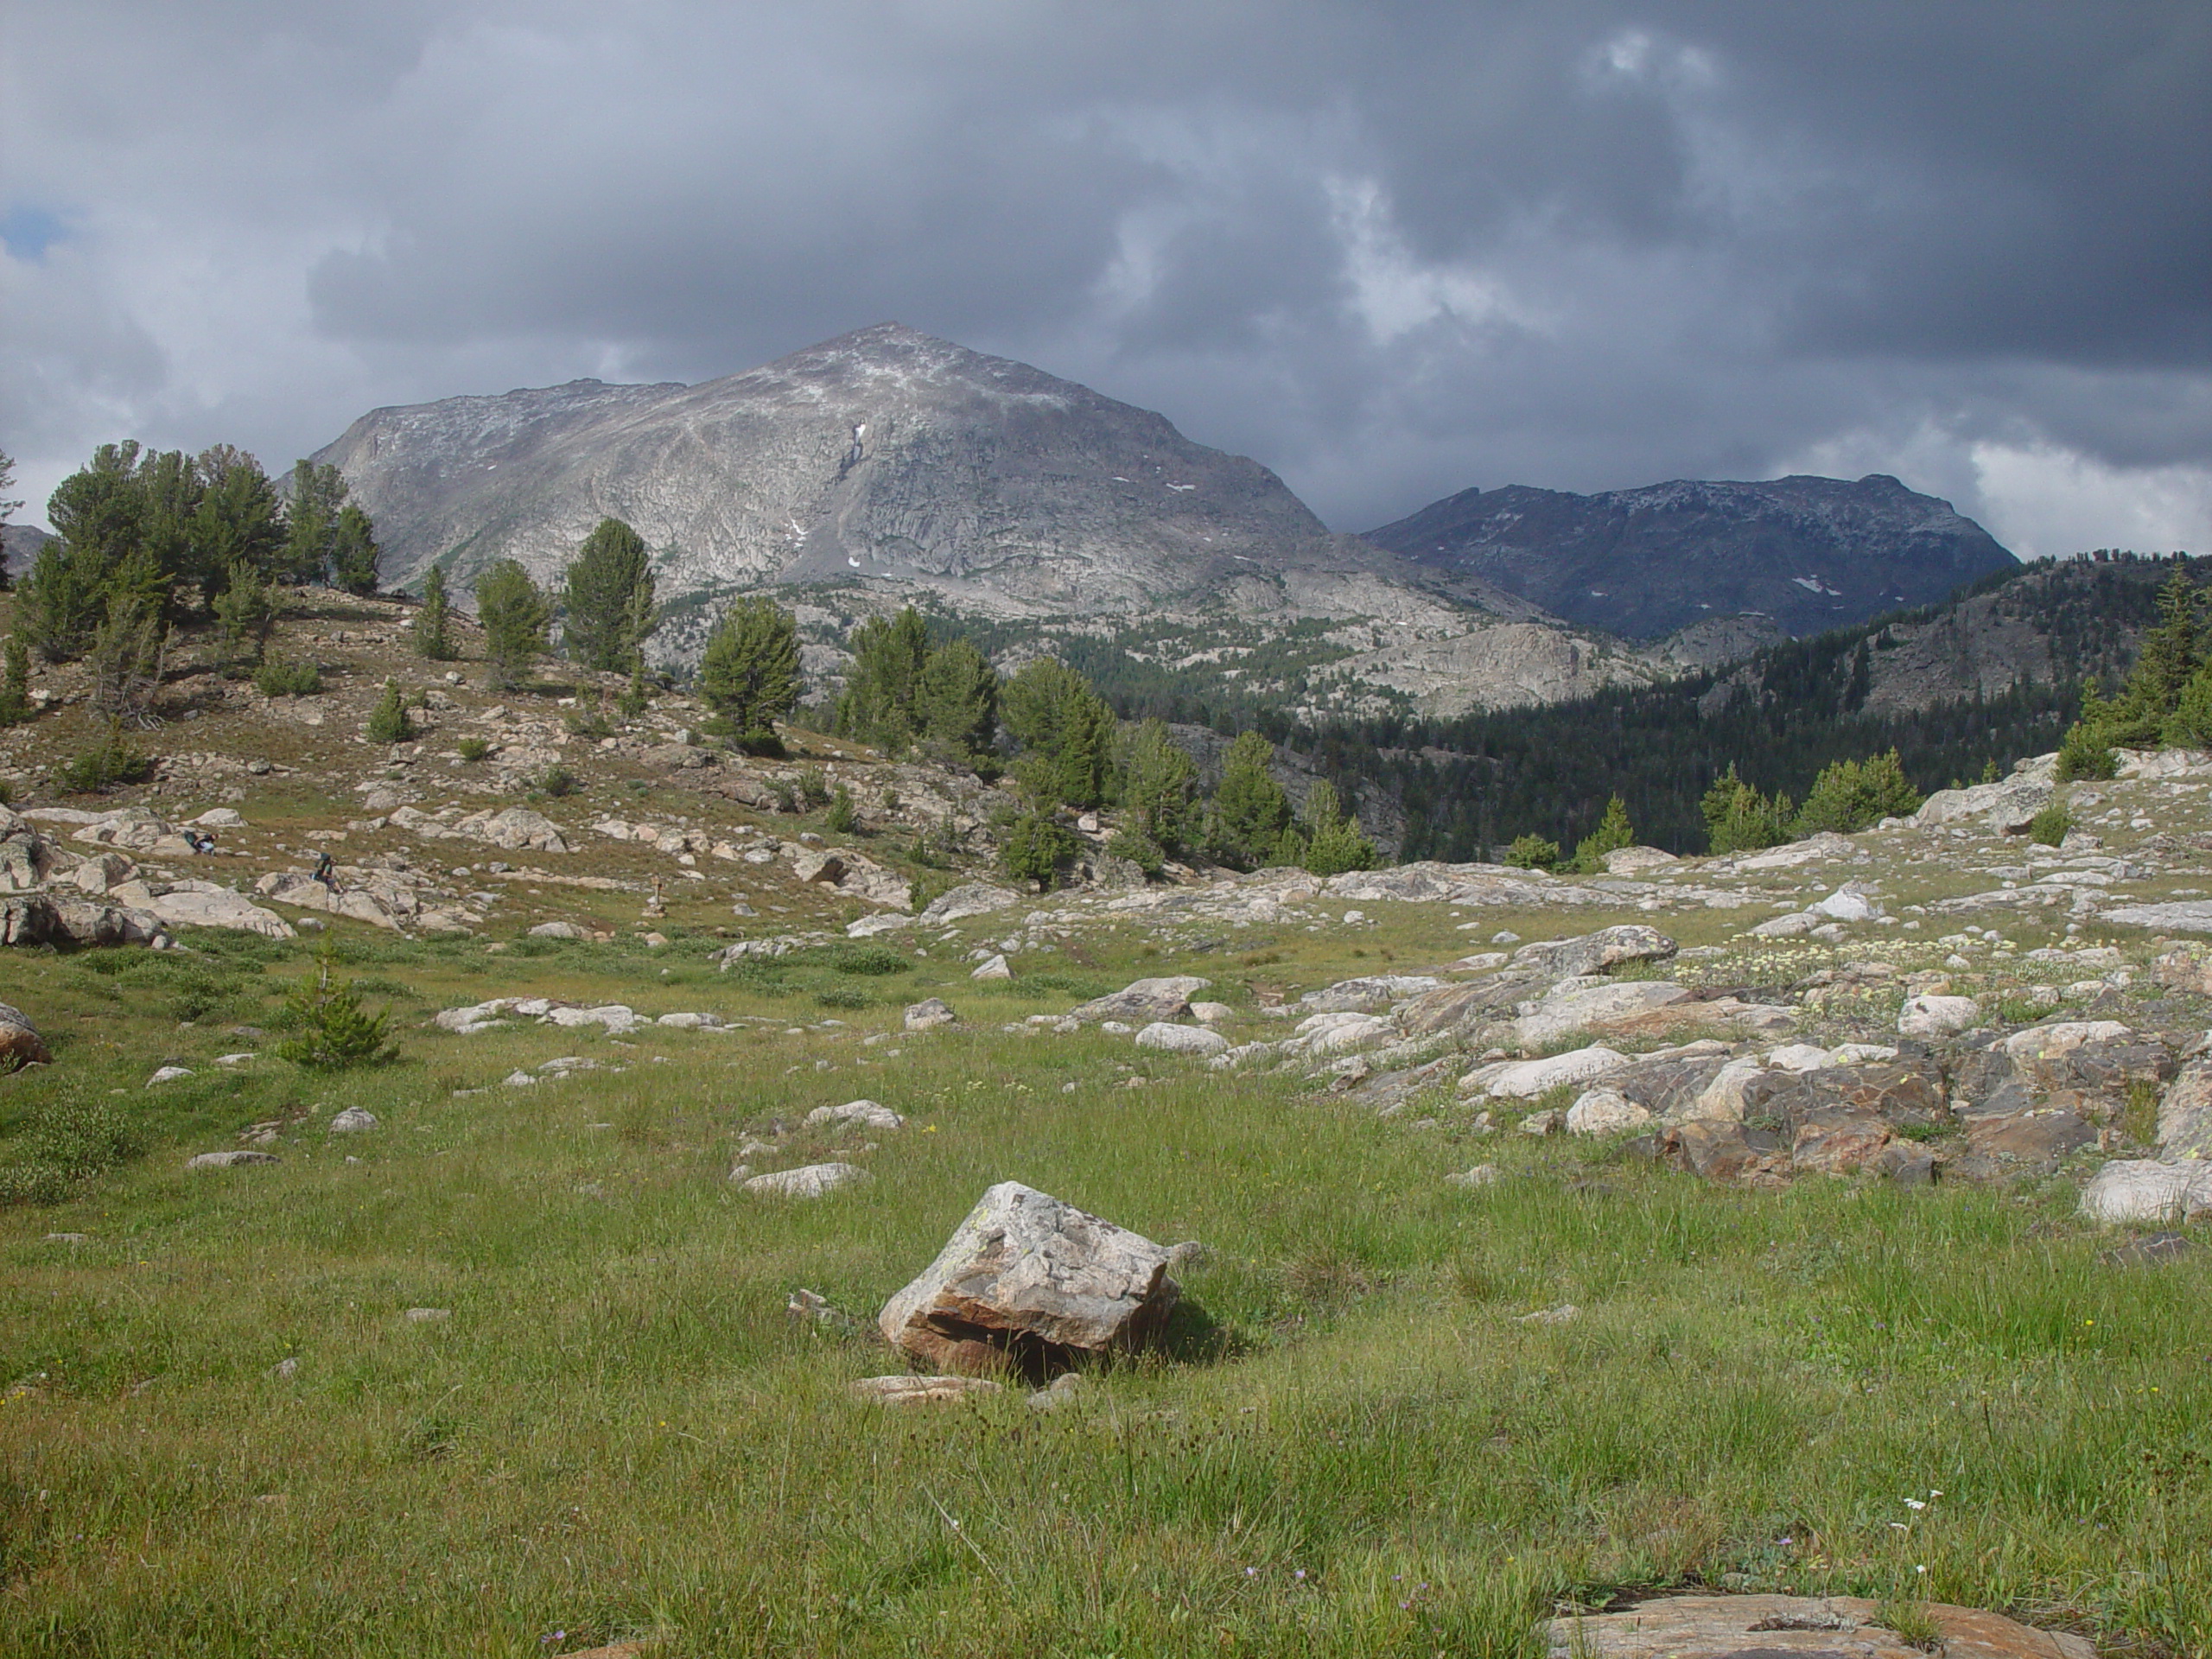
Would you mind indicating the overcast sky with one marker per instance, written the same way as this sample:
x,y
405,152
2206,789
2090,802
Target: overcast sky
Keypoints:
x,y
1391,250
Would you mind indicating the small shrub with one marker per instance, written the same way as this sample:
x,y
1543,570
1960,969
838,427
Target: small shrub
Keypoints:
x,y
108,763
842,997
68,1141
1613,833
842,816
813,787
556,781
330,1030
1035,848
388,720
473,749
2086,751
2049,827
868,959
284,676
1532,852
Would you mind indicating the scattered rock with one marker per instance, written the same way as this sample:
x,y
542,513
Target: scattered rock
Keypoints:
x,y
1605,1111
1211,1013
428,1315
1480,1175
1029,1280
1368,994
1594,953
1181,1039
971,898
2131,1190
2153,1250
922,1390
1565,1314
1526,1079
992,968
1931,1017
866,1113
168,1074
559,930
1794,1627
1145,1000
353,1121
929,1013
809,1180
229,1160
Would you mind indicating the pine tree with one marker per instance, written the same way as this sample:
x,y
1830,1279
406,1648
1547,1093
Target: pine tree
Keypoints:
x,y
608,608
957,701
245,612
353,551
1066,729
7,507
883,690
1737,818
311,522
516,614
1156,781
1250,810
388,720
434,622
1613,832
750,672
1849,796
1334,843
330,1029
240,520
15,679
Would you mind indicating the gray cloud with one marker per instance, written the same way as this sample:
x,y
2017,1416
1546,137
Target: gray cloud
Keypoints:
x,y
1391,250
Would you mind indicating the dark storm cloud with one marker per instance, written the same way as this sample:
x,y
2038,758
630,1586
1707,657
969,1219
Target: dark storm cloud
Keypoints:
x,y
1391,250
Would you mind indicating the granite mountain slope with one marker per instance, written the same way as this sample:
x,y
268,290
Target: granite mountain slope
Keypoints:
x,y
884,455
1811,553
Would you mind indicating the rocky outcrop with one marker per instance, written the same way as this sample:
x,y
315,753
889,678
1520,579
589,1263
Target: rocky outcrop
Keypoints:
x,y
1034,1285
1145,999
56,919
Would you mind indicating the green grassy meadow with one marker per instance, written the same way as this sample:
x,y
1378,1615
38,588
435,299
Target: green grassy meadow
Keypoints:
x,y
1355,1447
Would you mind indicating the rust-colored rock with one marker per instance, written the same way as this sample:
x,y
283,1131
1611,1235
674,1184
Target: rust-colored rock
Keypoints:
x,y
1030,1283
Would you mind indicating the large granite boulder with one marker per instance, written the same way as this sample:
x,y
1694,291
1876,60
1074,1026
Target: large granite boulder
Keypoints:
x,y
58,918
1594,953
1145,1000
20,1043
1030,1282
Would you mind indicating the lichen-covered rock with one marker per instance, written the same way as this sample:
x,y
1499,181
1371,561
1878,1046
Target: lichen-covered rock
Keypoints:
x,y
1145,1000
808,1181
929,1013
20,1043
2145,1189
1593,953
1182,1039
1029,1281
969,899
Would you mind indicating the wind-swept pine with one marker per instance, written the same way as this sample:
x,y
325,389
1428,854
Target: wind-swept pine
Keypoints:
x,y
1066,730
1334,841
129,655
515,613
608,609
1250,810
434,622
749,674
388,720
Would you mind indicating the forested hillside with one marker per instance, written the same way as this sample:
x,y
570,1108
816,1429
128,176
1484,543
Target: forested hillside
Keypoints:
x,y
1474,784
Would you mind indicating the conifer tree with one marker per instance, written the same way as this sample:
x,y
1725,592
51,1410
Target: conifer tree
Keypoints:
x,y
1066,729
15,680
353,551
245,612
608,608
956,703
883,689
1335,843
388,720
1613,832
434,622
1250,810
1156,780
7,507
515,613
750,672
311,521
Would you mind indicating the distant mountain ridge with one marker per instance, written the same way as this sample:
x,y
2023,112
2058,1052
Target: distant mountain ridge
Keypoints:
x,y
1811,553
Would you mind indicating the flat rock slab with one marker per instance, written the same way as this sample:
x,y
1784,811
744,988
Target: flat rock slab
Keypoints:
x,y
809,1180
1030,1282
1794,1627
1595,952
1145,1000
922,1390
